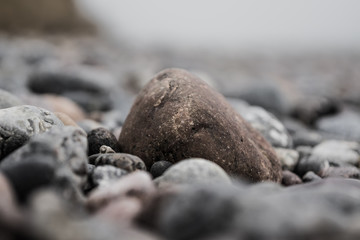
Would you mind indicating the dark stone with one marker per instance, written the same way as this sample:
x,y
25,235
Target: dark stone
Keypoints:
x,y
310,176
178,116
124,161
193,171
101,136
30,121
290,178
158,168
89,88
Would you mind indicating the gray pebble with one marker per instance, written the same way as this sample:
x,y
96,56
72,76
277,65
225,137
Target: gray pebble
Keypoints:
x,y
310,176
192,171
288,158
18,124
103,175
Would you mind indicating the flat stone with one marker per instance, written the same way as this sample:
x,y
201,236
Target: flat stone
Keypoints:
x,y
178,116
342,172
18,124
192,171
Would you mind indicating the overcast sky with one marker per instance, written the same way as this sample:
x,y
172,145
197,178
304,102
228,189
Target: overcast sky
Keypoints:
x,y
231,24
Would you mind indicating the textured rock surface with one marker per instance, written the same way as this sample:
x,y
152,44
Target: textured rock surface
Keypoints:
x,y
177,116
99,137
53,156
193,171
124,161
18,124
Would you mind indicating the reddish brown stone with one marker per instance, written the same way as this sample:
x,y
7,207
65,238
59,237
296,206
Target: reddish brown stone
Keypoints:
x,y
178,116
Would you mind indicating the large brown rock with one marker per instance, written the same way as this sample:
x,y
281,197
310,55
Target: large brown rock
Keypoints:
x,y
178,116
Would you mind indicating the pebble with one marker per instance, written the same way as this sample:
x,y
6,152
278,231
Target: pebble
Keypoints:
x,y
288,158
87,87
290,178
107,174
310,176
159,167
178,116
137,184
338,153
30,121
344,125
57,155
193,171
312,163
310,109
342,172
101,136
66,120
266,123
123,161
7,99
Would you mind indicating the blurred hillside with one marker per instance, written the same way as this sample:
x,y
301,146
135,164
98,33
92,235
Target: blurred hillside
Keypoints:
x,y
18,16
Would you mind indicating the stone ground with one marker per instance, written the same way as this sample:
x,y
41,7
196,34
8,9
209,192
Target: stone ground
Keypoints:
x,y
60,182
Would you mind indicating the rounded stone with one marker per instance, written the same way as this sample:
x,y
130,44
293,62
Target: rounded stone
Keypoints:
x,y
99,137
193,171
18,124
158,168
310,176
288,158
178,116
290,178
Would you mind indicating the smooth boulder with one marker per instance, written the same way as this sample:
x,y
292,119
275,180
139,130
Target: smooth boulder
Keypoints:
x,y
178,116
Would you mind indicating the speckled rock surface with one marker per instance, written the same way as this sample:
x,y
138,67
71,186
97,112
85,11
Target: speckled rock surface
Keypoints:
x,y
178,116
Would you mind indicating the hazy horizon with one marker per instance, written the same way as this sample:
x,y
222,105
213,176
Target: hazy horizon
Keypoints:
x,y
231,24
